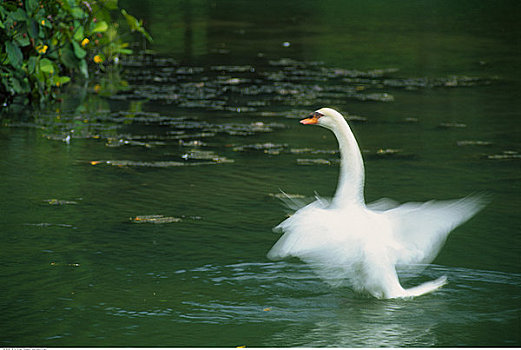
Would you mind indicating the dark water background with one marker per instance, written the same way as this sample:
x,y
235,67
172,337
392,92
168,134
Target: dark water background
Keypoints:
x,y
207,136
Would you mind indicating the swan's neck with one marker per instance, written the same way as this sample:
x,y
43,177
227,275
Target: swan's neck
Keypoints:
x,y
350,189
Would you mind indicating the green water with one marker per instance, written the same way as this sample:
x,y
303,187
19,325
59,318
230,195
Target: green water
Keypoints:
x,y
209,134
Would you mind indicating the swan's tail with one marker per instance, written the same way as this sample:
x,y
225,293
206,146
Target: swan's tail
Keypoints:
x,y
424,288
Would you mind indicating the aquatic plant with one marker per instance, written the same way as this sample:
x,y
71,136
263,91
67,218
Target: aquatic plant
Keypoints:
x,y
45,44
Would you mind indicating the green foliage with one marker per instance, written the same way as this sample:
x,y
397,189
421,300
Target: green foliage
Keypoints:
x,y
45,43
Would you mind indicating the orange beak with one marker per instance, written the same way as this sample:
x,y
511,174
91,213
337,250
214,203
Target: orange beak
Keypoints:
x,y
312,119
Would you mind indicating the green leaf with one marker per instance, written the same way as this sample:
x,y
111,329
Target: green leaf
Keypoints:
x,y
21,40
58,81
78,51
77,12
68,58
78,35
110,4
38,74
14,54
64,79
135,25
3,13
31,5
100,26
33,28
52,54
131,20
84,70
20,85
18,15
17,87
46,66
31,64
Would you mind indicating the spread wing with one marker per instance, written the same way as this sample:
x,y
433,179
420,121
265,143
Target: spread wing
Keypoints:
x,y
422,228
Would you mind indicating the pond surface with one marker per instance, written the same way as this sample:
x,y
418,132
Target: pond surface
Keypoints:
x,y
144,219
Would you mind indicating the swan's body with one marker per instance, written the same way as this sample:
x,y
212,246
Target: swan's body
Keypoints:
x,y
347,241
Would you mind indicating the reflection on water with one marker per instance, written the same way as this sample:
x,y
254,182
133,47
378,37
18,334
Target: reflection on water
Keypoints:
x,y
310,314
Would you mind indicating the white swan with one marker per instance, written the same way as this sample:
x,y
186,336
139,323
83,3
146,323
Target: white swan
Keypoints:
x,y
346,241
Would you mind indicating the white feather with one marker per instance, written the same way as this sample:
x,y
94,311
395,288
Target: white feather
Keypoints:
x,y
349,243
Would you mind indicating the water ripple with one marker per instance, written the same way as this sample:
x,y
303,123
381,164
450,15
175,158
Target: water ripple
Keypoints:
x,y
289,293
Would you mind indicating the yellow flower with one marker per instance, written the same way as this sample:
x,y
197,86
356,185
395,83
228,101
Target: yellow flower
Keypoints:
x,y
43,22
58,84
42,48
98,59
97,88
85,42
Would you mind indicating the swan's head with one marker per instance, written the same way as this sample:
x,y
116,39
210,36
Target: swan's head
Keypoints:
x,y
325,117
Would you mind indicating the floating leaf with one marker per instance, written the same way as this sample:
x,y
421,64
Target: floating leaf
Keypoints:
x,y
59,202
160,164
452,125
506,155
286,195
319,161
154,219
387,151
53,263
473,143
